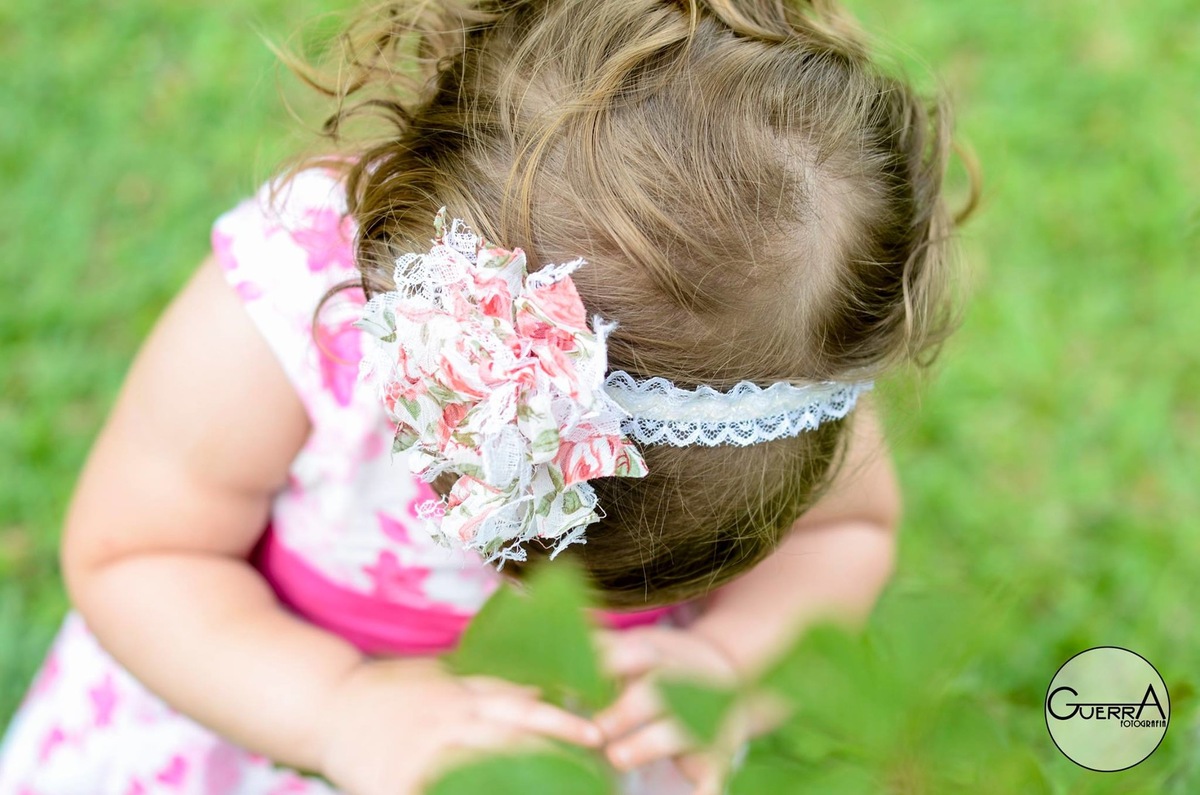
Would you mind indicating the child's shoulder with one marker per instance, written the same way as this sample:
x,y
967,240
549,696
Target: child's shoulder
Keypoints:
x,y
282,250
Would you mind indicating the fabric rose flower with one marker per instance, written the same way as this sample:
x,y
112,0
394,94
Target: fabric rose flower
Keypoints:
x,y
492,374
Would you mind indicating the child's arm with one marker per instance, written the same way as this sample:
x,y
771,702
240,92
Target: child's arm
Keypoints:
x,y
173,497
834,563
175,493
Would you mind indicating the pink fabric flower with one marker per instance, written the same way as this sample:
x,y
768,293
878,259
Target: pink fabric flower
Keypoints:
x,y
594,457
560,305
492,374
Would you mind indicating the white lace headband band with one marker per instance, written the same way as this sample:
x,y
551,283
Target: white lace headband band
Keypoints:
x,y
662,413
494,374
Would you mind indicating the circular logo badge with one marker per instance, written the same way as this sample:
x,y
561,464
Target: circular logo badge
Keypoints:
x,y
1107,709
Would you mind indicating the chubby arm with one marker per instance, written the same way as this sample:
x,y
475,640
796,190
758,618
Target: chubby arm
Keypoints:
x,y
174,496
175,493
834,563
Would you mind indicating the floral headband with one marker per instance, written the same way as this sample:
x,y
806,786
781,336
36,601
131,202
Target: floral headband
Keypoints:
x,y
492,374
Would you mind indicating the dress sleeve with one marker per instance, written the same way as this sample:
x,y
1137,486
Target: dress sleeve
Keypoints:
x,y
282,250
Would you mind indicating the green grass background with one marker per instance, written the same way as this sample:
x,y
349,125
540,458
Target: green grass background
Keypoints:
x,y
1050,466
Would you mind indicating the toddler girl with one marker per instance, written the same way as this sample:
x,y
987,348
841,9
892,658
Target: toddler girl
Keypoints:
x,y
255,592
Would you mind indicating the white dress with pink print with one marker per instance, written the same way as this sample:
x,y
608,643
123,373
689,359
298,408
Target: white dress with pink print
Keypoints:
x,y
344,548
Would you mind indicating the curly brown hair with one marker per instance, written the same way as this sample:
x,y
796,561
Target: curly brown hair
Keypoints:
x,y
755,196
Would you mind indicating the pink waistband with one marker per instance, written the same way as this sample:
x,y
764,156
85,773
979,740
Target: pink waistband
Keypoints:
x,y
375,626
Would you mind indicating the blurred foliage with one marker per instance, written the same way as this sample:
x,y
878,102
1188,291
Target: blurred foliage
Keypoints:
x,y
544,641
701,709
563,772
902,707
1049,465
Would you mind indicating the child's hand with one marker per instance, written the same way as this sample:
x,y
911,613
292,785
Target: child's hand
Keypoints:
x,y
637,730
394,725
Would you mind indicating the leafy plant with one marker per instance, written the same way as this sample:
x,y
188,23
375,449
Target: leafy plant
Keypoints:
x,y
702,709
538,637
897,708
565,772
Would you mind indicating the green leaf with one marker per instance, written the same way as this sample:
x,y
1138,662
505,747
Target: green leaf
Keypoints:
x,y
896,709
783,779
541,638
569,772
700,708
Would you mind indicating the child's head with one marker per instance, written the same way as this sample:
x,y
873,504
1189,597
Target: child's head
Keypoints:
x,y
754,199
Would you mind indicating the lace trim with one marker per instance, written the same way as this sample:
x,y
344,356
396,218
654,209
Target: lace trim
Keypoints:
x,y
661,413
